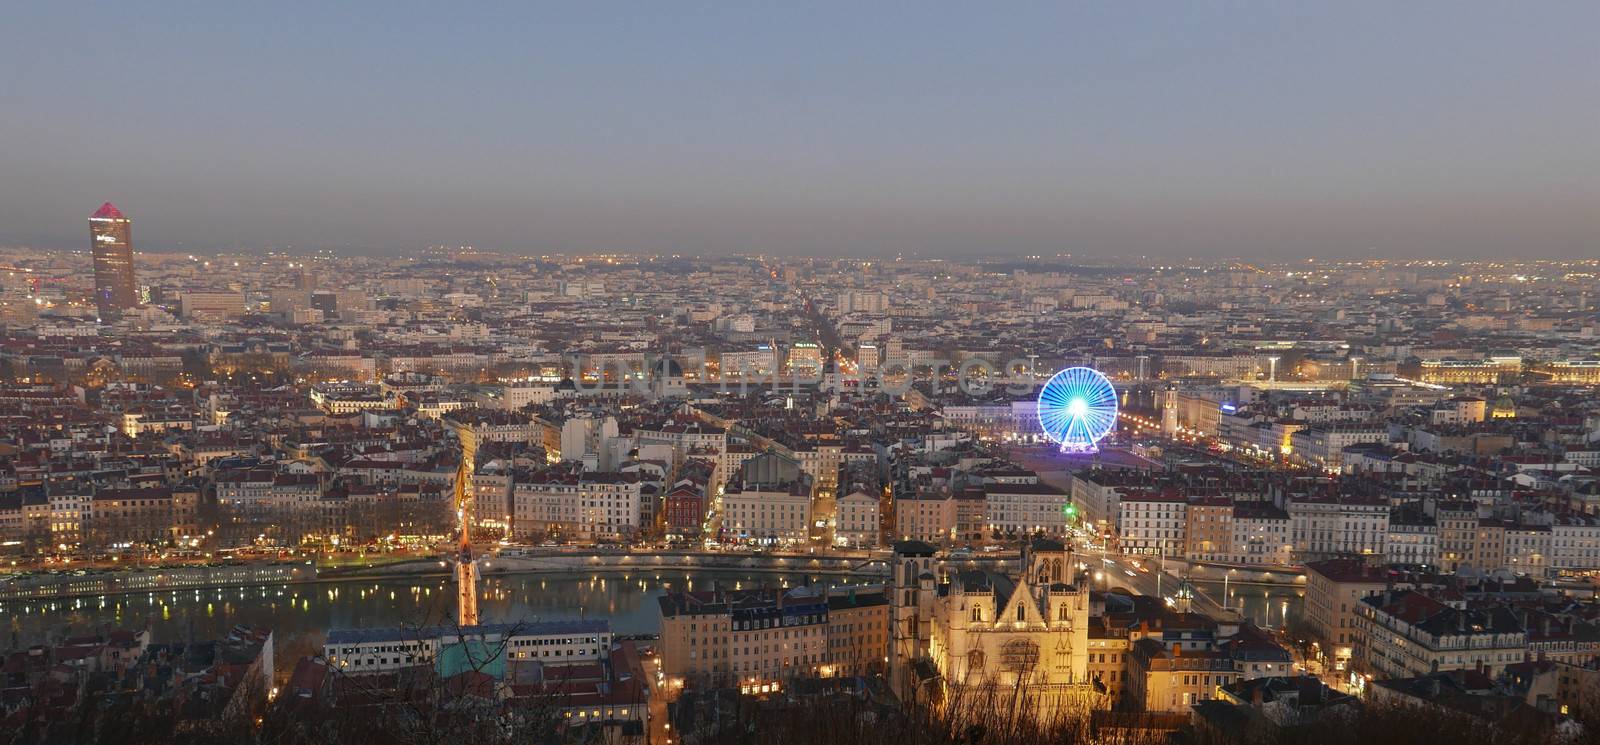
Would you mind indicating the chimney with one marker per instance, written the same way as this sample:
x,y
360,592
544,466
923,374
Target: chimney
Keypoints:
x,y
1256,696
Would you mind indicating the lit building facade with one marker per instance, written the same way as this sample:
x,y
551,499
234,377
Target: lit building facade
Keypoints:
x,y
381,650
858,524
1334,591
1582,372
1409,634
1487,371
759,640
983,631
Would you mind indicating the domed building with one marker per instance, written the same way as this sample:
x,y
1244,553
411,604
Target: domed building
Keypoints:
x,y
666,378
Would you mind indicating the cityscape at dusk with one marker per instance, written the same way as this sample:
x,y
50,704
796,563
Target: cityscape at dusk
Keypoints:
x,y
658,375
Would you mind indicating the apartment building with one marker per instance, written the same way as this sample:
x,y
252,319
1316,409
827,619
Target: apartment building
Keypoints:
x,y
1330,525
1025,508
576,505
1153,522
365,651
1208,531
1413,537
1410,633
1575,541
1262,534
1323,445
758,640
337,398
767,513
1334,591
1173,671
1098,494
134,515
925,516
1457,522
857,523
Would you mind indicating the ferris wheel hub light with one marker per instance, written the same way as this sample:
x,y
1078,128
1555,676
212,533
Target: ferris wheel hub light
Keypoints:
x,y
1078,407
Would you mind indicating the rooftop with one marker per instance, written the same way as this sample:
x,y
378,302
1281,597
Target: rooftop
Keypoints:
x,y
400,633
108,211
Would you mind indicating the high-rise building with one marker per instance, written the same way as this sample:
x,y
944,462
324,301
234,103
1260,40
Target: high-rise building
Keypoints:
x,y
306,279
114,289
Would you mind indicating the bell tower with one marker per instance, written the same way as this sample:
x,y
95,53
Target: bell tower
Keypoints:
x,y
1169,410
910,610
1046,561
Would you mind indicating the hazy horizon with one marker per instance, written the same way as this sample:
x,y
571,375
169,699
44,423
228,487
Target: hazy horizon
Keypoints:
x,y
1454,130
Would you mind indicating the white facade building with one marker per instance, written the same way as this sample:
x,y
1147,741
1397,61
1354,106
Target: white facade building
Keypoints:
x,y
1025,508
360,651
857,522
1153,523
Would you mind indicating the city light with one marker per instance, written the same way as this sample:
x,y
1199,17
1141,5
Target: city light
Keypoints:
x,y
678,382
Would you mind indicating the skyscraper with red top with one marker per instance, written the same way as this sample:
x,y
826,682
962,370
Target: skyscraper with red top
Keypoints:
x,y
110,241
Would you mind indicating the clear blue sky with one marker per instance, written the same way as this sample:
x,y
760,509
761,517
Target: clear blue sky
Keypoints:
x,y
1271,128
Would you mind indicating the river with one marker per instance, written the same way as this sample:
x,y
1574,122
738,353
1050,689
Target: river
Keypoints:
x,y
299,614
1265,606
305,611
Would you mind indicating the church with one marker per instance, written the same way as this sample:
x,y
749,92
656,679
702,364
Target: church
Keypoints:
x,y
978,635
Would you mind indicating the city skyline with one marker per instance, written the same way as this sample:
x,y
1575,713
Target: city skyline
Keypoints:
x,y
1447,131
1184,491
694,374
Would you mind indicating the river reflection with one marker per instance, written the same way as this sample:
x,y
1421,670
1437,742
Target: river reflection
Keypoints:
x,y
303,612
1267,607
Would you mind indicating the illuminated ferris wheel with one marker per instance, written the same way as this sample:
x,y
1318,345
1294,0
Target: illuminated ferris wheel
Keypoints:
x,y
1077,408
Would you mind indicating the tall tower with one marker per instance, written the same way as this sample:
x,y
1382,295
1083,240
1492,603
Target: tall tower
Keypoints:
x,y
112,246
306,279
910,611
1169,410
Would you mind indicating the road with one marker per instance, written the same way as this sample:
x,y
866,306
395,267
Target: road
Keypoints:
x,y
827,336
1139,574
1115,570
659,729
